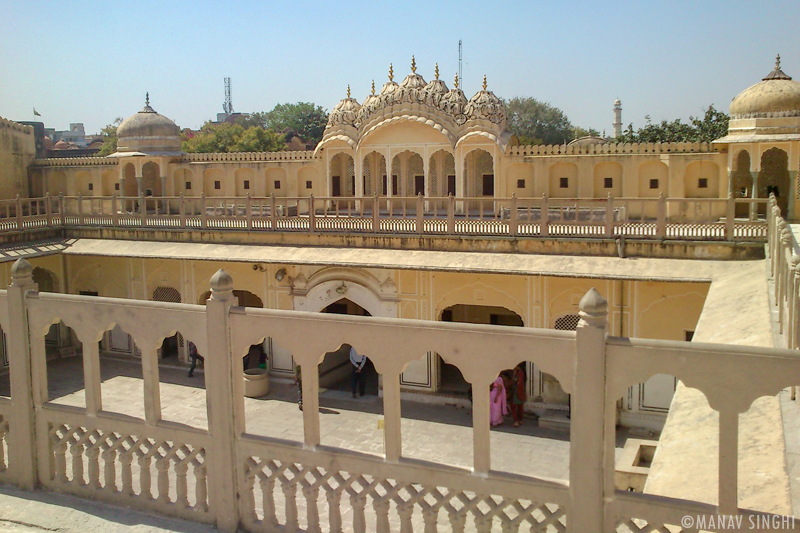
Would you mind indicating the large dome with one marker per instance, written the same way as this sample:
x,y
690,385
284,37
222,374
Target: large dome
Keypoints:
x,y
777,95
149,133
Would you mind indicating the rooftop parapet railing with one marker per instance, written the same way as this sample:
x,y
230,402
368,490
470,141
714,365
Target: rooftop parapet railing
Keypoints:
x,y
611,148
603,218
74,161
224,475
784,256
10,124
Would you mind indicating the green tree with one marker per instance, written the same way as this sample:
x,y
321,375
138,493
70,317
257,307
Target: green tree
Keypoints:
x,y
304,118
109,134
219,138
713,125
535,122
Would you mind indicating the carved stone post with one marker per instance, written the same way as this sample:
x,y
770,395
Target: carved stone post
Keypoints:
x,y
312,216
661,217
182,210
376,214
114,211
19,212
22,448
512,216
222,416
730,216
609,217
48,209
248,211
544,221
420,215
587,457
451,215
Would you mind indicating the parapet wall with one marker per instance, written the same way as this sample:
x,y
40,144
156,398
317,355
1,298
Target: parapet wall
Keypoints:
x,y
611,148
17,151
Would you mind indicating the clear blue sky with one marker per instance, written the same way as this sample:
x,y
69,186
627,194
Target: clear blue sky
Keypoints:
x,y
91,62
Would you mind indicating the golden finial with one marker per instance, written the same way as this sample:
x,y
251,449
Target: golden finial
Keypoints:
x,y
436,71
778,62
484,82
456,80
413,64
391,72
147,97
373,87
348,90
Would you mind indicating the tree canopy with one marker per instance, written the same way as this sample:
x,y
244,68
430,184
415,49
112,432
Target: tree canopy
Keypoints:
x,y
109,134
216,138
535,122
713,125
304,118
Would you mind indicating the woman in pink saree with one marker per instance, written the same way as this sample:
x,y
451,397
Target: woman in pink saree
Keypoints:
x,y
497,402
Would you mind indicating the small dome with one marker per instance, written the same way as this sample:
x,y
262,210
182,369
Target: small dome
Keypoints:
x,y
777,95
617,103
485,105
345,112
148,132
47,142
61,145
147,123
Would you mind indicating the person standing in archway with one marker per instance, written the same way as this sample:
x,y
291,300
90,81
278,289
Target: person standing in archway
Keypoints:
x,y
359,378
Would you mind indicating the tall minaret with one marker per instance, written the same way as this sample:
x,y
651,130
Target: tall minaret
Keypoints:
x,y
617,118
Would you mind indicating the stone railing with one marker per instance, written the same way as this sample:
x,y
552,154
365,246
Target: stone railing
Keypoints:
x,y
600,218
82,161
299,155
227,476
611,148
784,256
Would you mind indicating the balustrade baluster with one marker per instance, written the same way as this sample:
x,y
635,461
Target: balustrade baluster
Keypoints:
x,y
268,502
406,510
126,459
359,503
60,449
109,470
311,495
162,483
334,511
200,487
144,477
289,489
458,521
93,455
181,492
76,451
429,516
381,507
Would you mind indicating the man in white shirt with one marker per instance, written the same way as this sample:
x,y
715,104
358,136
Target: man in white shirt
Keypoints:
x,y
359,378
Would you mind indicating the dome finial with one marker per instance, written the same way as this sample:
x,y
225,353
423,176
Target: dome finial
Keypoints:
x,y
413,64
778,62
391,72
484,82
373,87
456,80
348,90
147,98
436,71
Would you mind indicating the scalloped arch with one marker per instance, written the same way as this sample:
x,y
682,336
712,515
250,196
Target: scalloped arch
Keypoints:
x,y
409,118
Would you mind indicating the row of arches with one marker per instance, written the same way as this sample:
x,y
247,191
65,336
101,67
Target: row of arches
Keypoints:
x,y
409,177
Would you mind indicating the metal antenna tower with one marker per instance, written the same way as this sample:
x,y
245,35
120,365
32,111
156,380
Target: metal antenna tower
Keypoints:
x,y
228,105
460,74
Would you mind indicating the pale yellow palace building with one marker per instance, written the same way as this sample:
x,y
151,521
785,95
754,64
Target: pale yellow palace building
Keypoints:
x,y
414,138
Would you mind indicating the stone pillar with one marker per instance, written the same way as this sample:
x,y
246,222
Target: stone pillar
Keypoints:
x,y
22,445
223,423
728,462
587,429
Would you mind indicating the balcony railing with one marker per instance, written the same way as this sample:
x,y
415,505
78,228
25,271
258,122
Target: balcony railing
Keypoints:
x,y
658,218
227,476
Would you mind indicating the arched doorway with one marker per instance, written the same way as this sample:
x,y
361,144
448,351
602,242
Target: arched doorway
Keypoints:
x,y
47,281
172,348
451,382
335,371
774,178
